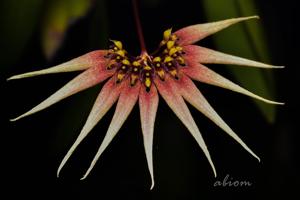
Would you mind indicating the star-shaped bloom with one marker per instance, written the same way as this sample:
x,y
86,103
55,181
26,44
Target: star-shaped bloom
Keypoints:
x,y
168,71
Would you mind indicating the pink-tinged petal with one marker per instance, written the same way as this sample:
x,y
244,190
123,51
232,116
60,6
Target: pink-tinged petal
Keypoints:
x,y
205,55
201,73
148,103
171,94
191,93
81,63
106,98
194,33
83,81
127,100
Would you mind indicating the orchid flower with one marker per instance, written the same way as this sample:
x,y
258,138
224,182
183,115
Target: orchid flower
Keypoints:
x,y
169,71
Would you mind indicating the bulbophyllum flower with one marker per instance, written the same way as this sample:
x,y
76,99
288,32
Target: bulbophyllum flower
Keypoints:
x,y
168,71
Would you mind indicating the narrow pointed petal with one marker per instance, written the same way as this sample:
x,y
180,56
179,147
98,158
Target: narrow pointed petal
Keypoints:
x,y
194,33
81,63
201,73
83,81
171,94
205,55
106,98
191,93
127,100
148,103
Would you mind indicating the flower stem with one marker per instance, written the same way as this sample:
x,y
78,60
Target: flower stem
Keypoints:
x,y
139,26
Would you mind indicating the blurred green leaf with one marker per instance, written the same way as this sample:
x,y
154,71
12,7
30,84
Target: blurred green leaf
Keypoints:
x,y
18,20
245,40
60,14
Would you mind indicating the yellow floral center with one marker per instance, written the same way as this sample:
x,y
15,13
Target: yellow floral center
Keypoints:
x,y
166,59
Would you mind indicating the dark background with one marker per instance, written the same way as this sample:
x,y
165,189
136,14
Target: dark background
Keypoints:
x,y
33,147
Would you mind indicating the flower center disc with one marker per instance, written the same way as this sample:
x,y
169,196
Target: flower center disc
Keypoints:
x,y
166,59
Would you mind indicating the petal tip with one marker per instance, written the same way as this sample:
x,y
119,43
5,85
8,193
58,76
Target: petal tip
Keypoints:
x,y
275,66
252,17
10,78
58,171
14,119
268,101
152,180
214,171
211,163
255,156
215,174
276,103
152,185
258,159
17,118
251,152
20,76
239,19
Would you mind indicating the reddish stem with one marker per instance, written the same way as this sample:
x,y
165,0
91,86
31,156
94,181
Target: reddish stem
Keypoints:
x,y
139,26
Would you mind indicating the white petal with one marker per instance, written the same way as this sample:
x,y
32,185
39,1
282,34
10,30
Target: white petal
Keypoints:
x,y
194,33
205,55
169,92
106,98
127,100
148,102
201,73
83,81
86,61
191,93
